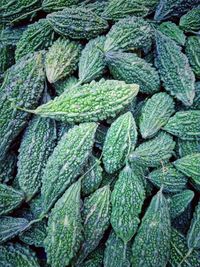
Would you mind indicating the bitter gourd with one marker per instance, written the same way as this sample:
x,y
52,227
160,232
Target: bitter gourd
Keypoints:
x,y
64,231
116,253
174,69
127,199
11,227
151,246
168,9
77,23
193,235
178,203
61,59
96,217
155,114
118,9
129,33
90,102
14,11
92,176
120,138
66,162
95,259
56,5
92,62
171,30
7,167
38,143
185,125
155,151
97,7
169,178
190,166
180,254
130,68
187,147
37,36
14,254
65,84
10,199
196,102
182,222
23,84
192,50
191,20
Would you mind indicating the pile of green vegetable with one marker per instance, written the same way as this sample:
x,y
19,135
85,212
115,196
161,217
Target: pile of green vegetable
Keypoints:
x,y
100,133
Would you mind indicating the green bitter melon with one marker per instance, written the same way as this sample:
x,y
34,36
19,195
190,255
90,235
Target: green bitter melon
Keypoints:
x,y
193,235
191,20
192,50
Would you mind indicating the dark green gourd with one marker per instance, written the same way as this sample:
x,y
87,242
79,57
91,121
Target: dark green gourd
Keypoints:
x,y
56,5
193,235
192,50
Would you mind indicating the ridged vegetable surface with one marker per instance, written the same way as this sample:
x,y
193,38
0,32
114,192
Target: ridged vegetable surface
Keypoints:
x,y
193,53
90,102
169,178
11,227
196,102
23,84
92,62
120,139
153,152
17,255
193,235
130,68
127,199
185,125
181,255
77,23
10,199
65,84
191,20
64,232
37,36
7,167
66,162
136,33
155,229
116,252
174,69
95,259
178,203
96,218
155,114
187,147
168,9
55,5
61,59
38,142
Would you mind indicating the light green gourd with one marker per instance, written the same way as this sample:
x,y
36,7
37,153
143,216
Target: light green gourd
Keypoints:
x,y
187,147
193,235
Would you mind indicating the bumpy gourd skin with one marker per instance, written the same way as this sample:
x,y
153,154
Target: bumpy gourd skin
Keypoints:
x,y
56,5
191,20
14,254
95,259
38,143
11,227
196,102
62,59
96,218
66,162
173,8
180,254
37,36
132,69
17,10
154,152
7,167
23,85
187,147
169,178
171,30
174,69
65,84
77,23
185,125
179,202
155,114
90,102
64,232
151,246
127,199
193,235
10,199
129,33
92,61
192,50
190,166
120,138
116,252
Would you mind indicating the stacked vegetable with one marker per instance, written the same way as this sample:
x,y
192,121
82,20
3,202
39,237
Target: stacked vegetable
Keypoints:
x,y
100,133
